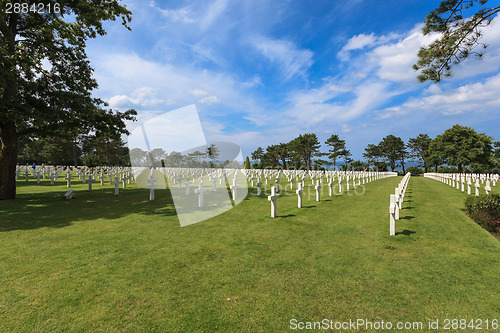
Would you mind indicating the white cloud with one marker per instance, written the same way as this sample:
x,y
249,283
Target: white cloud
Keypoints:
x,y
214,11
478,98
142,96
325,105
205,53
360,41
176,15
151,87
395,60
209,100
197,92
292,61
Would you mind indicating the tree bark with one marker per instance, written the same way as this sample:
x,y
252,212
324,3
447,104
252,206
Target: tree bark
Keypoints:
x,y
75,162
8,135
8,159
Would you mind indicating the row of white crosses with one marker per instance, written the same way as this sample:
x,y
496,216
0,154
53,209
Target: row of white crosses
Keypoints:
x,y
458,180
187,176
38,172
83,173
89,176
396,203
117,176
316,180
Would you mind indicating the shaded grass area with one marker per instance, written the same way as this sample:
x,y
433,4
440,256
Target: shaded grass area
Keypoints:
x,y
106,263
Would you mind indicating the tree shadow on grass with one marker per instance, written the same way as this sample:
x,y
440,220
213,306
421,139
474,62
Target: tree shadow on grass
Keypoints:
x,y
50,209
406,232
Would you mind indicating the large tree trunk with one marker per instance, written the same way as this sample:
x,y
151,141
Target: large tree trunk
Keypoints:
x,y
8,159
75,162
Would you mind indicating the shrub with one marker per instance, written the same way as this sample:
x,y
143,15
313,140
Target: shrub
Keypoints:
x,y
414,170
447,169
485,210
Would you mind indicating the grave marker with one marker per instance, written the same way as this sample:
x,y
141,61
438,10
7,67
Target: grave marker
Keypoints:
x,y
299,195
273,197
200,190
317,188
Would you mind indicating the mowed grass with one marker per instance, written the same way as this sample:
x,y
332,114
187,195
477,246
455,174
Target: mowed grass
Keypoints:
x,y
111,263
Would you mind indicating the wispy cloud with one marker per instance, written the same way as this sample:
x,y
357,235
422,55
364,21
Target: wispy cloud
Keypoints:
x,y
215,9
210,100
258,78
291,60
478,98
176,15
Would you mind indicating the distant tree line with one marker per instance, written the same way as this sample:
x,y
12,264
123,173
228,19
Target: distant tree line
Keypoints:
x,y
209,158
458,149
90,150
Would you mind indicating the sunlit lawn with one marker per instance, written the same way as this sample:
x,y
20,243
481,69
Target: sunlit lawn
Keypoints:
x,y
102,262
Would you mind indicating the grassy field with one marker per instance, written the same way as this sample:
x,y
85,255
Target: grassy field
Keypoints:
x,y
111,263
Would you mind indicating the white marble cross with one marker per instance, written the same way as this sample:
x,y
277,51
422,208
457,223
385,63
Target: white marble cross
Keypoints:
x,y
214,181
487,187
187,182
234,187
317,188
200,190
151,186
90,180
117,184
179,180
273,198
299,195
124,179
259,183
477,187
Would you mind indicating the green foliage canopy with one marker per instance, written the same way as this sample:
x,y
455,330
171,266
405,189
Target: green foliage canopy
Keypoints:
x,y
459,36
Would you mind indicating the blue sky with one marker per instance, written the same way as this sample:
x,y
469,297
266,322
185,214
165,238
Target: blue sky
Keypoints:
x,y
261,72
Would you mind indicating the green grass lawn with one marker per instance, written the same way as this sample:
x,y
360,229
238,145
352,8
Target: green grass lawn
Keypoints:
x,y
111,263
